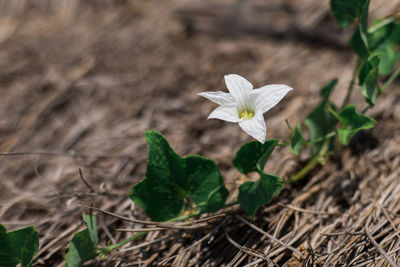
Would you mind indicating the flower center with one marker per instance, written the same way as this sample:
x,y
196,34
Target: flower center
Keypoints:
x,y
246,115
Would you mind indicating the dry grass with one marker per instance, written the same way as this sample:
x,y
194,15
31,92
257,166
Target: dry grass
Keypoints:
x,y
81,81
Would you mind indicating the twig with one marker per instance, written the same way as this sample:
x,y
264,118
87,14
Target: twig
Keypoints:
x,y
85,182
145,244
375,259
164,261
249,251
164,225
56,154
378,248
270,236
342,233
308,211
68,231
144,229
391,222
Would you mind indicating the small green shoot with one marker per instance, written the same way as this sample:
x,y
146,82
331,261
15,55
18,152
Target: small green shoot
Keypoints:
x,y
83,246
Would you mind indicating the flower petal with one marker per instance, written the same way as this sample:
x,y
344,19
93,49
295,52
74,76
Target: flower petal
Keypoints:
x,y
255,127
240,89
268,96
225,113
221,98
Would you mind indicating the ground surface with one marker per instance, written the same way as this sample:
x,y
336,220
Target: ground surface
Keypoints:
x,y
82,81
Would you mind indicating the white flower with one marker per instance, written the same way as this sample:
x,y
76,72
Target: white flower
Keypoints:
x,y
244,105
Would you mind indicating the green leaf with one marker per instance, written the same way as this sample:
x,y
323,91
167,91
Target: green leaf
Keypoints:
x,y
368,65
252,157
249,155
384,41
170,179
18,246
352,122
368,77
91,223
346,11
83,245
359,40
7,259
206,186
253,195
297,141
320,122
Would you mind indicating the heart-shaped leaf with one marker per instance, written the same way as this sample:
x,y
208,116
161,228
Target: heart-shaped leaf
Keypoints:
x,y
170,179
384,41
346,11
352,122
254,152
18,246
253,195
253,157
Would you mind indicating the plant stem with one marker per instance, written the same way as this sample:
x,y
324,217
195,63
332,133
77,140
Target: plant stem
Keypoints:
x,y
282,144
184,217
365,109
108,249
324,149
310,165
320,139
381,24
351,85
334,113
390,80
318,159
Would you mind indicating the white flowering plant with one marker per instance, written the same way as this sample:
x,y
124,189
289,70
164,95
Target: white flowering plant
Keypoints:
x,y
175,184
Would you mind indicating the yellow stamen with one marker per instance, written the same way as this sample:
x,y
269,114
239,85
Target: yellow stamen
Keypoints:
x,y
246,115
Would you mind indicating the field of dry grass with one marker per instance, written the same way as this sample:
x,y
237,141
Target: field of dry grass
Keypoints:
x,y
81,81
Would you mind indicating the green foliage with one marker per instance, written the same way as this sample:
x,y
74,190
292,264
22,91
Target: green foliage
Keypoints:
x,y
18,246
384,41
352,122
253,195
253,157
359,40
368,77
377,46
83,246
297,141
249,155
359,43
320,121
346,11
170,179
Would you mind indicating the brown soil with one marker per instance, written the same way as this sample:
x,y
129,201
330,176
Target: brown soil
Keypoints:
x,y
81,81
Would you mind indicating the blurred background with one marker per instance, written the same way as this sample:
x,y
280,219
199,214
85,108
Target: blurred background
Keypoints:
x,y
81,81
